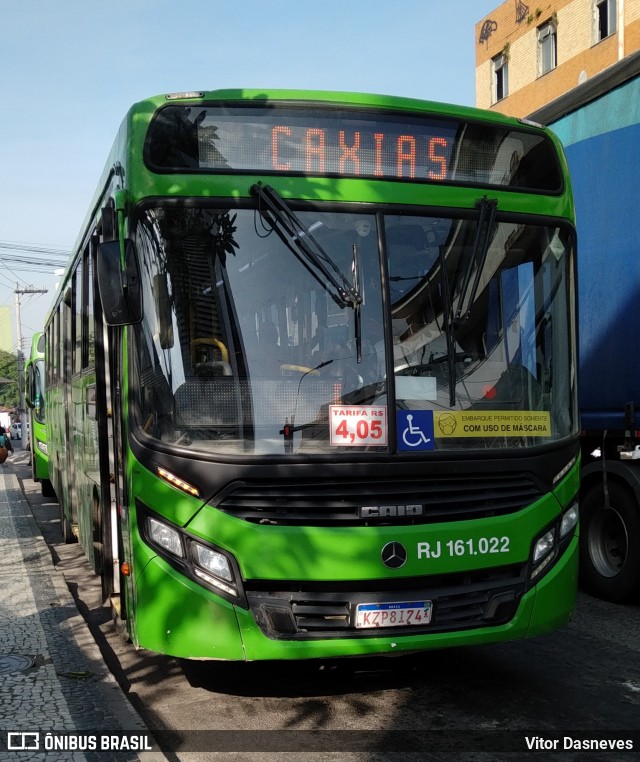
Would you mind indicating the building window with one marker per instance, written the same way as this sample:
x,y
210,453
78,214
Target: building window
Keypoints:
x,y
500,88
547,48
605,17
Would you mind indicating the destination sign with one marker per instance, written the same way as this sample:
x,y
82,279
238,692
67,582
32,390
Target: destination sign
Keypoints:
x,y
358,151
341,143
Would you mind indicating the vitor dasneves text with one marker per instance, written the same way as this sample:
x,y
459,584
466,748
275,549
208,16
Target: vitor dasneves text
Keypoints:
x,y
536,743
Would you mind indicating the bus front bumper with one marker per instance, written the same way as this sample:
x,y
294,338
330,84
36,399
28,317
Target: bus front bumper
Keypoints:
x,y
177,617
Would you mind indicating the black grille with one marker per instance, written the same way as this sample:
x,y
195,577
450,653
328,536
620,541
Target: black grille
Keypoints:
x,y
460,601
376,502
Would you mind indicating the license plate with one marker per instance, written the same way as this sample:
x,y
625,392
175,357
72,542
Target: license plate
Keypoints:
x,y
401,614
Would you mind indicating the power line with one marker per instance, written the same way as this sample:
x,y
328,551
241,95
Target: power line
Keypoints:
x,y
47,264
36,248
25,256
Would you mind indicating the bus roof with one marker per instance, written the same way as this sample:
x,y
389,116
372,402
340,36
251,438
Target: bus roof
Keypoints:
x,y
326,97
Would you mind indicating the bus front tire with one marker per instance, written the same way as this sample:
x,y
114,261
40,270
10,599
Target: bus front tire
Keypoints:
x,y
66,529
610,543
47,488
120,625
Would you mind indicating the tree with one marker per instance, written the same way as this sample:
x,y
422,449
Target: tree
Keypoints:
x,y
9,393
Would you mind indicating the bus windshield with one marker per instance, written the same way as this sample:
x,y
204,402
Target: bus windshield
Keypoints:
x,y
244,350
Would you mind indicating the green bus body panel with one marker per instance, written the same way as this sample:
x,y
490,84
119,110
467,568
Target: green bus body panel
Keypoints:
x,y
353,553
179,618
569,486
173,614
40,460
176,506
541,610
176,616
556,594
344,191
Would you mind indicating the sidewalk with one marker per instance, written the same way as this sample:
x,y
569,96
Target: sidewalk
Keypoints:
x,y
52,676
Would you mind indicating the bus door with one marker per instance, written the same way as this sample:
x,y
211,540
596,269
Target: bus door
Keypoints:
x,y
67,466
108,343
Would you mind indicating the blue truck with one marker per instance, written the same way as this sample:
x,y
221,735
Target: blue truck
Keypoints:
x,y
598,123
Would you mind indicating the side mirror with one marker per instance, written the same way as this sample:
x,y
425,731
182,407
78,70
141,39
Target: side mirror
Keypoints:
x,y
34,403
29,386
119,288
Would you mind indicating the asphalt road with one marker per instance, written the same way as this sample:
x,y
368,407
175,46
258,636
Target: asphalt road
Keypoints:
x,y
481,703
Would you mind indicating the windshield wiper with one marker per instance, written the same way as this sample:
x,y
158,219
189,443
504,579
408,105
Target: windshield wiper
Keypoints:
x,y
357,310
449,328
299,239
477,256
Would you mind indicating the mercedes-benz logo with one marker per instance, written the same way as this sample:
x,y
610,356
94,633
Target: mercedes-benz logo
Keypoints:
x,y
394,555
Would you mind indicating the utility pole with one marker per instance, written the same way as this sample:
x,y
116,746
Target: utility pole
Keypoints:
x,y
22,409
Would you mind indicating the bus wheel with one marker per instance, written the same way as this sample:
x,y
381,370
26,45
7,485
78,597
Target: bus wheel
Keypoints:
x,y
120,625
98,547
47,488
610,543
68,536
121,628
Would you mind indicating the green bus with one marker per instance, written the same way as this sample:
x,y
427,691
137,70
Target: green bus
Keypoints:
x,y
311,377
34,381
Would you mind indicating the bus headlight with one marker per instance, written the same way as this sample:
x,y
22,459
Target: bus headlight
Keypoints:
x,y
206,564
214,568
165,536
548,546
212,561
569,520
543,546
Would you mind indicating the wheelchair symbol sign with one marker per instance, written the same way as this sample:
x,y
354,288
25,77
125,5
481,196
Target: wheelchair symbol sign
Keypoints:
x,y
415,429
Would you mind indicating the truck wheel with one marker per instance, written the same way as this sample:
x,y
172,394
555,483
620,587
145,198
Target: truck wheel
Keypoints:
x,y
610,543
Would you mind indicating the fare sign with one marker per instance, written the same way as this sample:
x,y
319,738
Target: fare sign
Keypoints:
x,y
358,425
